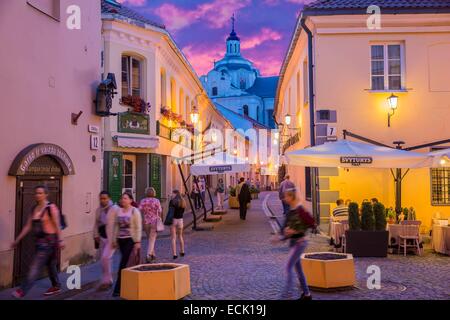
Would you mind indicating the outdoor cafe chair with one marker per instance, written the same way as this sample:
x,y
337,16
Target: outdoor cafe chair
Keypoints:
x,y
408,234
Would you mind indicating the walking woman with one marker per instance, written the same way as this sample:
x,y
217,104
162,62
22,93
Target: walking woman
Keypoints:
x,y
151,210
195,195
44,223
126,233
176,229
220,192
297,223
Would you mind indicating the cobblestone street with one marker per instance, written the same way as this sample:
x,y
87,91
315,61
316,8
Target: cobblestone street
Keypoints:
x,y
237,261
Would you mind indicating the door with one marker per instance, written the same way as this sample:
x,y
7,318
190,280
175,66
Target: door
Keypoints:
x,y
24,253
129,174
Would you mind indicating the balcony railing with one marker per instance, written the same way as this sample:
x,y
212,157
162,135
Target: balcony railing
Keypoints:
x,y
170,134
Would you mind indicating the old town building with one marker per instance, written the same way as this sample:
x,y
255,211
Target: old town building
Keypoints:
x,y
49,130
340,70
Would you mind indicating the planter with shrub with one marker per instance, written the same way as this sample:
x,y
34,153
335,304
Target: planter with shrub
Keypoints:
x,y
367,237
233,201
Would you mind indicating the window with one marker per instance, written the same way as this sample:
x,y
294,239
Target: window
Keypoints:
x,y
131,76
305,83
324,114
48,7
440,186
163,88
386,67
245,109
173,95
215,91
243,84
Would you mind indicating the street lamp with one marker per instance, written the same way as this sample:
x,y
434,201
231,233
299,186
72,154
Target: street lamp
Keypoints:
x,y
195,116
287,119
393,103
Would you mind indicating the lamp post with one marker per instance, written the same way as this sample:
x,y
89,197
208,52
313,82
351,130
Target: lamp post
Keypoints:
x,y
393,103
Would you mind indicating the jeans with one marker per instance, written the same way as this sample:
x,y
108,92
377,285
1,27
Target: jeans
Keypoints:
x,y
286,207
203,195
294,262
46,256
106,254
126,246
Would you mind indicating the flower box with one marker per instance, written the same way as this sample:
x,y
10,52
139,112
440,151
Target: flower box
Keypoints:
x,y
164,281
328,270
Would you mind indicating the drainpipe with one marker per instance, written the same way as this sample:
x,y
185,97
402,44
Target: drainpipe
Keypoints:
x,y
312,126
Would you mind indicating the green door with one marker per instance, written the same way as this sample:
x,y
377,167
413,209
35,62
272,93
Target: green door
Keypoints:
x,y
155,173
115,175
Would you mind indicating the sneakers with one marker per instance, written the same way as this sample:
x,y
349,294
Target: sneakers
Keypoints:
x,y
18,294
52,291
305,297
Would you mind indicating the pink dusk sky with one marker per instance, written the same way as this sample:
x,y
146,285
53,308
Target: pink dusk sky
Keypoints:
x,y
200,28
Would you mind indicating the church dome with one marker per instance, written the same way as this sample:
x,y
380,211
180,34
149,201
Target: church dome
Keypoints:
x,y
233,36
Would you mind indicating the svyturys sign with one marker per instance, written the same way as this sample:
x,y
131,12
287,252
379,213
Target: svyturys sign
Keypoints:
x,y
220,168
356,161
33,152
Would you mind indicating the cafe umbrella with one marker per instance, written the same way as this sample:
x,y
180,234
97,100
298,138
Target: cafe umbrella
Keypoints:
x,y
351,154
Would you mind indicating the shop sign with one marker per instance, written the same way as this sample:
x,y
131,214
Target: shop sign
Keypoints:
x,y
27,156
130,122
356,161
220,169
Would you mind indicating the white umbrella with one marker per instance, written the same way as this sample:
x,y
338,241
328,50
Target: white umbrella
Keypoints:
x,y
350,154
219,163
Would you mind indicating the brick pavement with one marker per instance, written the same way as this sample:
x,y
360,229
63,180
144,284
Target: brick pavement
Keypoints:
x,y
237,260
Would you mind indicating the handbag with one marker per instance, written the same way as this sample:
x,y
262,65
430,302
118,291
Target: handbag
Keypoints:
x,y
159,225
169,218
134,259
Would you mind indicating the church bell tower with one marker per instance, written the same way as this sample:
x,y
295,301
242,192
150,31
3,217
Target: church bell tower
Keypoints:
x,y
233,41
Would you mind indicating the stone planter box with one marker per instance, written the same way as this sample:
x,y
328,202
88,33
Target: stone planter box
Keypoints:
x,y
164,281
328,270
367,243
233,202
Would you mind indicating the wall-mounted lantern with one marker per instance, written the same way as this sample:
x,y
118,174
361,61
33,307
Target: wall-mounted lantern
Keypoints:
x,y
393,103
105,94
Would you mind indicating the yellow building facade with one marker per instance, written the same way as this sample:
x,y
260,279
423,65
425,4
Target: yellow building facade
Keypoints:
x,y
340,78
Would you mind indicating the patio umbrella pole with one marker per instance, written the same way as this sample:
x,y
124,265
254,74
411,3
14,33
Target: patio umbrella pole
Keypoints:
x,y
398,191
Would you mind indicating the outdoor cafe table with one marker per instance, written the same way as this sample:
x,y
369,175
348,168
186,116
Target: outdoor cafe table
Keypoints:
x,y
395,231
337,230
441,239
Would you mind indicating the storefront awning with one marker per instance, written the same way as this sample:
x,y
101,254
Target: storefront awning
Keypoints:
x,y
137,143
219,164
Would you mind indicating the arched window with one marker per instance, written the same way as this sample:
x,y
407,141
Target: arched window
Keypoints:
x,y
131,76
215,91
245,109
173,95
243,84
163,88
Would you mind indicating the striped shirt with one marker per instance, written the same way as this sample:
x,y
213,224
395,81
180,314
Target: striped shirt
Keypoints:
x,y
340,211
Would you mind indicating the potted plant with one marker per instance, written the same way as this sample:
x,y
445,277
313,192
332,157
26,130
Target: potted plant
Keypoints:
x,y
328,270
233,201
390,215
254,192
371,240
164,281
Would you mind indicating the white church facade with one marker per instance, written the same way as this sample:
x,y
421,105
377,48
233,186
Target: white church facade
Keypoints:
x,y
236,84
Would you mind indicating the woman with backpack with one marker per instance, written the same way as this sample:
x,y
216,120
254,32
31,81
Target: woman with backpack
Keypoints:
x,y
45,224
126,233
177,204
298,222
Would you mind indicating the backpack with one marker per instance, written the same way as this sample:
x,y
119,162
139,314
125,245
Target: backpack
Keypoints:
x,y
62,218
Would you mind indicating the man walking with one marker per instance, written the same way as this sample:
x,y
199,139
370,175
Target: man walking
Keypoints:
x,y
285,185
202,185
244,197
101,238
